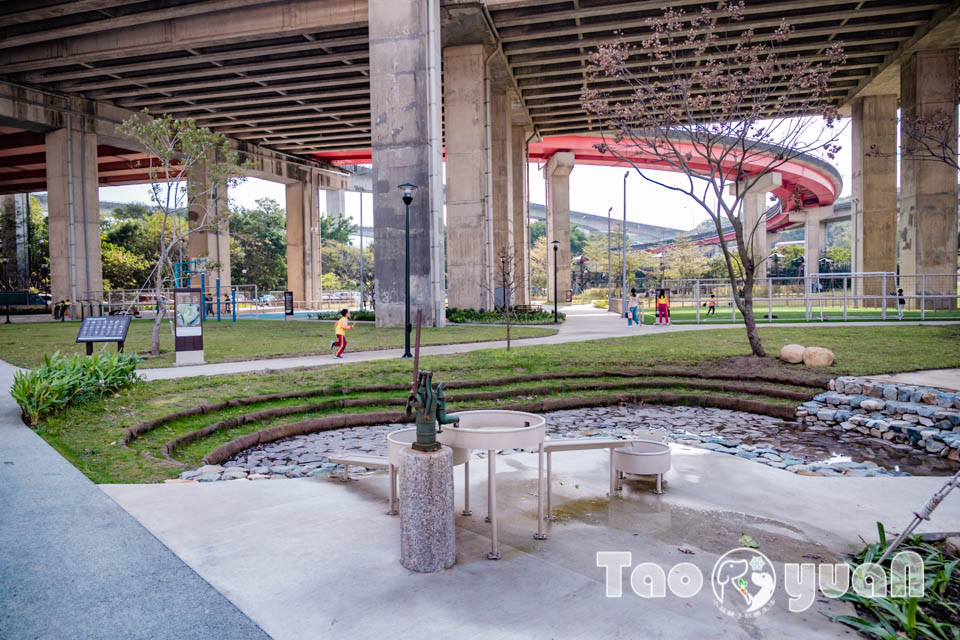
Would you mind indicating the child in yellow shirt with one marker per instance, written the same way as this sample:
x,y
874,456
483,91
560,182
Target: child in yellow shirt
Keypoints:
x,y
340,329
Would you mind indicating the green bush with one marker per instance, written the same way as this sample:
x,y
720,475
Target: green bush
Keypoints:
x,y
497,317
354,315
62,381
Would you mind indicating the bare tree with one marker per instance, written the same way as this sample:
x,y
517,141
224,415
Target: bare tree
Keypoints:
x,y
507,283
716,102
177,149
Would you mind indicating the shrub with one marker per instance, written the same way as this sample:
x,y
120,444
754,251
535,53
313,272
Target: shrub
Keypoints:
x,y
354,315
496,317
62,381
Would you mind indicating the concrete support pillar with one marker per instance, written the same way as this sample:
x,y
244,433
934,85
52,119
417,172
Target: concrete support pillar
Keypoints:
x,y
814,240
470,247
518,213
209,212
502,177
755,203
74,214
928,188
303,242
336,202
873,224
404,76
8,233
558,221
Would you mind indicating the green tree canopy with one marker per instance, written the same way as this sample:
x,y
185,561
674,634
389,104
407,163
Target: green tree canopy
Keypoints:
x,y
258,243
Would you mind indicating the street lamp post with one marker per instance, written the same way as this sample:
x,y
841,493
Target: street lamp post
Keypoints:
x,y
556,248
362,301
623,297
407,190
609,266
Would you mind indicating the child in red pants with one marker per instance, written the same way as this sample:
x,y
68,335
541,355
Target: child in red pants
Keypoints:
x,y
340,329
663,308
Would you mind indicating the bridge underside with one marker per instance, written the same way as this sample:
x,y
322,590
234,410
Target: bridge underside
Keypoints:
x,y
304,83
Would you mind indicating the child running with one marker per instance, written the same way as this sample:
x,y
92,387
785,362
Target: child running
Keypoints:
x,y
343,325
712,305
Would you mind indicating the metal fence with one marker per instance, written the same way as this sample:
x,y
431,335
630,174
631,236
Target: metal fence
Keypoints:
x,y
823,297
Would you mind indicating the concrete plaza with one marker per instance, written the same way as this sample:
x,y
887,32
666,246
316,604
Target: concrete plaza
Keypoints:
x,y
319,558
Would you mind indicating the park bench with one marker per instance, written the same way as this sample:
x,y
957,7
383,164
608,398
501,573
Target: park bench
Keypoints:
x,y
358,460
551,445
527,308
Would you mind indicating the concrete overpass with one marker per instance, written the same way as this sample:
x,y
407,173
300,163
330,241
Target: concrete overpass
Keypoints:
x,y
301,85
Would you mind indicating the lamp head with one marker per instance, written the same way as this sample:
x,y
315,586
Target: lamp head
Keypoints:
x,y
408,191
556,245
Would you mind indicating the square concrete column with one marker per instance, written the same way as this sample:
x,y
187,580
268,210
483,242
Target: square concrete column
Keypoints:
x,y
928,187
402,97
303,242
470,245
8,232
814,240
74,215
755,205
336,202
209,212
558,221
874,215
518,213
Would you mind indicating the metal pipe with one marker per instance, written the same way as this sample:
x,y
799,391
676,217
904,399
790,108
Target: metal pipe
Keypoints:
x,y
83,210
489,282
492,502
623,298
435,179
71,215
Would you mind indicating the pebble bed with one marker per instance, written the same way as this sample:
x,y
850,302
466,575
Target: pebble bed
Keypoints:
x,y
799,447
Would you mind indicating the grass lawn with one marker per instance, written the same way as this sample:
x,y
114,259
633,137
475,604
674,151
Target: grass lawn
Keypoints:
x,y
87,434
25,344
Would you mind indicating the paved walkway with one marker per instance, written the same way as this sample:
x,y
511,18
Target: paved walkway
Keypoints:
x,y
584,322
939,378
75,565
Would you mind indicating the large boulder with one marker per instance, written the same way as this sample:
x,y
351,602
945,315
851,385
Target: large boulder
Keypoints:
x,y
792,353
818,357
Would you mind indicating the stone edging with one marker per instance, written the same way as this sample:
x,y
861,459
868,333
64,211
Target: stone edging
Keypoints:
x,y
927,419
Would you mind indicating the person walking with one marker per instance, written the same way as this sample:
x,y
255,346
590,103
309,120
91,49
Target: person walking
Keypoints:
x,y
340,330
633,304
712,305
901,303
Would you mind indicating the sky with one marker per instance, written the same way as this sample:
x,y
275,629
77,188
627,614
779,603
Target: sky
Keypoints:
x,y
592,190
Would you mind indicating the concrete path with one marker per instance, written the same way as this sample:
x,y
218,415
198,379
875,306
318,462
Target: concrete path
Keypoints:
x,y
940,378
319,558
75,565
584,322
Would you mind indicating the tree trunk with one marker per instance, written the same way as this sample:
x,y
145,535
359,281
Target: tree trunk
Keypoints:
x,y
746,309
161,311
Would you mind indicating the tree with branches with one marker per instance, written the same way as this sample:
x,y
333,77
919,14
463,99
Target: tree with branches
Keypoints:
x,y
719,104
178,150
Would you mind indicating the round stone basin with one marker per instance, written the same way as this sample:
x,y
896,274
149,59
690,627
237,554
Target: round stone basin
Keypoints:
x,y
642,457
490,429
402,439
